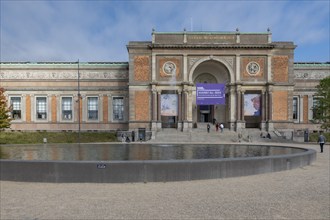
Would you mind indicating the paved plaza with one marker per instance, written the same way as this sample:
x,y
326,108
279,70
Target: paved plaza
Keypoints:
x,y
302,193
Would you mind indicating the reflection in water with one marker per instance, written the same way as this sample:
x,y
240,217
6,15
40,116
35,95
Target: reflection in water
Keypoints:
x,y
124,152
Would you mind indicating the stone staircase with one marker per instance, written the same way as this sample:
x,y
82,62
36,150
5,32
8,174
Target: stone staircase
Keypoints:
x,y
200,134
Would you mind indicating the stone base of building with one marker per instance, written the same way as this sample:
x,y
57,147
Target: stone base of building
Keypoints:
x,y
269,126
186,126
240,125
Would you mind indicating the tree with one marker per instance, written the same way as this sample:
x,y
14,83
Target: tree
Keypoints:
x,y
4,111
321,109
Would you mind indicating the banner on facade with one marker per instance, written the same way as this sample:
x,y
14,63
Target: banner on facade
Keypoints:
x,y
210,94
252,105
169,105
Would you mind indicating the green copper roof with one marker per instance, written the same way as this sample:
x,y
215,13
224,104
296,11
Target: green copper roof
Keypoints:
x,y
314,64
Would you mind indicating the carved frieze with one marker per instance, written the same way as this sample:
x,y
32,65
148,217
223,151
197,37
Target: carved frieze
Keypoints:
x,y
229,60
310,74
192,61
37,75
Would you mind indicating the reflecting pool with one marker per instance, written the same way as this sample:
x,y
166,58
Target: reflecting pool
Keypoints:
x,y
139,151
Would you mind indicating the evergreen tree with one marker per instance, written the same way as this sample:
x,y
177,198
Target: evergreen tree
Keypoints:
x,y
321,109
4,111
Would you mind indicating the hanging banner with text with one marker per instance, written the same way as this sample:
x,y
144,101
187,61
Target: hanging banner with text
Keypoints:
x,y
210,94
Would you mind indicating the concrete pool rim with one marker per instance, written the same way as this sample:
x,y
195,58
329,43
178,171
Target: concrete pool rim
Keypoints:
x,y
153,170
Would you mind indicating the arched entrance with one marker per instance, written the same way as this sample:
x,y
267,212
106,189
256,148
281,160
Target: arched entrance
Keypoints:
x,y
211,72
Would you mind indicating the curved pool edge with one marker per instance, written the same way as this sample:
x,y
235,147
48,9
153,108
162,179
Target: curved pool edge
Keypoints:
x,y
150,171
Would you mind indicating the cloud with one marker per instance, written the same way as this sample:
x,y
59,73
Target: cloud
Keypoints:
x,y
100,30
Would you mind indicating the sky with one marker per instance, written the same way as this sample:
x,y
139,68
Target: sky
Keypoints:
x,y
99,30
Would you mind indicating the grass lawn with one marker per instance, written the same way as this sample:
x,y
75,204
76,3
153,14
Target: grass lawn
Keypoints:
x,y
55,137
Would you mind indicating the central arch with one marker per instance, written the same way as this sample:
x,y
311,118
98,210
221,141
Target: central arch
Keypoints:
x,y
212,71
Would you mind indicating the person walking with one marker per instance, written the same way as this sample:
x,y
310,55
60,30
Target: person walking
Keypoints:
x,y
321,141
217,126
221,127
208,128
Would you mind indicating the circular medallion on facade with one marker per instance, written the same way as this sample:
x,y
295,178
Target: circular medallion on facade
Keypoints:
x,y
253,68
169,68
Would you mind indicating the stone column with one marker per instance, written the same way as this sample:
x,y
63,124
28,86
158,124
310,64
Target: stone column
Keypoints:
x,y
185,104
154,112
270,106
242,105
238,68
232,108
153,67
159,119
154,105
179,107
263,107
270,109
310,106
301,108
238,104
263,110
185,68
179,122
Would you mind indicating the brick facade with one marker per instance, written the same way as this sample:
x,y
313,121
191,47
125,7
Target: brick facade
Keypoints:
x,y
141,68
142,112
28,108
280,68
280,105
199,57
105,109
54,108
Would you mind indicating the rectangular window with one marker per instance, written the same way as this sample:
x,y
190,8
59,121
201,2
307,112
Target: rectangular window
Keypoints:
x,y
66,108
16,112
92,108
295,108
316,102
118,108
41,108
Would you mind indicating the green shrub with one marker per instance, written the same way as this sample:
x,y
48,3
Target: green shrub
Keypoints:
x,y
313,137
55,137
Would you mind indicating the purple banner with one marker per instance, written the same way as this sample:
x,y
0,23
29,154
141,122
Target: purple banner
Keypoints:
x,y
210,94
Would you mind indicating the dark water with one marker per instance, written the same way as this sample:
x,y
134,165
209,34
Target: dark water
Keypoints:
x,y
124,152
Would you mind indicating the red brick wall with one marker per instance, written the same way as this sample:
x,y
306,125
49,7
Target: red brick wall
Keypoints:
x,y
142,106
105,109
280,68
54,108
280,105
141,68
28,108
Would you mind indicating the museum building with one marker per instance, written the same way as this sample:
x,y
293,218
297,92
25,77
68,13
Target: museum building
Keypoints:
x,y
258,81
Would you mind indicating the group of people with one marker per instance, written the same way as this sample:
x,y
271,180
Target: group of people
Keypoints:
x,y
217,126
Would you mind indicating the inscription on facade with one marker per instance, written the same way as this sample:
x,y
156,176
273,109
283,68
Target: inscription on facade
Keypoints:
x,y
211,38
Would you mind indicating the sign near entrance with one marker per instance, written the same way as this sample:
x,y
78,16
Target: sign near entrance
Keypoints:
x,y
210,94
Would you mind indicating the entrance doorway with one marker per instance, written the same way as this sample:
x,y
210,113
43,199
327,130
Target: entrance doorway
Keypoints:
x,y
205,113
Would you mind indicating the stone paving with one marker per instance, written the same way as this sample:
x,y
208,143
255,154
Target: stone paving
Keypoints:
x,y
302,193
